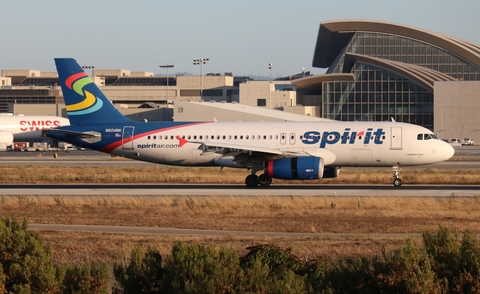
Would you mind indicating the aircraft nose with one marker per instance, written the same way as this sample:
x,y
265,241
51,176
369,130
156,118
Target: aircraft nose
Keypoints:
x,y
447,151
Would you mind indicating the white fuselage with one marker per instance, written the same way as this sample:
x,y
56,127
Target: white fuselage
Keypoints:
x,y
25,127
338,143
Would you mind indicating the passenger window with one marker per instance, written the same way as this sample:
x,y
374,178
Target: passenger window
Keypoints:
x,y
420,137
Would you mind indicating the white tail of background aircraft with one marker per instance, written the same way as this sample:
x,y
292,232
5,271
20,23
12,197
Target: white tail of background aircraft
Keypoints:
x,y
284,150
27,127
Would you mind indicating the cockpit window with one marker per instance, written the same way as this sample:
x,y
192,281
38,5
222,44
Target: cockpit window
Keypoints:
x,y
426,136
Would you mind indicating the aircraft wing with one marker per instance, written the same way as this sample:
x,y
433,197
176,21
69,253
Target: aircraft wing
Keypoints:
x,y
244,153
222,147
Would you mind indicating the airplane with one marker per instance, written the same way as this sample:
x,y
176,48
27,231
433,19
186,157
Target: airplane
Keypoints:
x,y
281,150
27,127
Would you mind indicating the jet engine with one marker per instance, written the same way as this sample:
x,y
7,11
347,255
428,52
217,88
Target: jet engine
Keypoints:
x,y
301,168
331,172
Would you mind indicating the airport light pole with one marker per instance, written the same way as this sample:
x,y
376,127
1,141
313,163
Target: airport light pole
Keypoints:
x,y
88,67
303,71
201,62
270,87
167,66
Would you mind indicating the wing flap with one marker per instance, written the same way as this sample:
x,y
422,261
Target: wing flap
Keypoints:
x,y
225,148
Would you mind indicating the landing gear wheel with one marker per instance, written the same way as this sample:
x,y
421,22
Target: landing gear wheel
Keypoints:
x,y
251,181
264,180
397,182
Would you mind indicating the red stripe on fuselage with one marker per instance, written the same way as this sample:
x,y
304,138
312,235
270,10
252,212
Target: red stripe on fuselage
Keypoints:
x,y
115,145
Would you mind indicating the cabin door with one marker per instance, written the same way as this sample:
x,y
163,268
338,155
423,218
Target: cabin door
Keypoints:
x,y
127,138
396,139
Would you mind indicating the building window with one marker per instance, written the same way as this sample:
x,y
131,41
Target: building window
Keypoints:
x,y
261,102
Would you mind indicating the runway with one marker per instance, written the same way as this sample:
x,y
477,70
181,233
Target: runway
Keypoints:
x,y
152,190
195,232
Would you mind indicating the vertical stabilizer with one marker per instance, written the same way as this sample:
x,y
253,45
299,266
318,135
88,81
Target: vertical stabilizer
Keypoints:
x,y
85,102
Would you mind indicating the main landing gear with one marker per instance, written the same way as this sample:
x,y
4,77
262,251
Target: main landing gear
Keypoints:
x,y
253,180
397,182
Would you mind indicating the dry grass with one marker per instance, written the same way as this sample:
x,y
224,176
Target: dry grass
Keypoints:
x,y
166,174
358,216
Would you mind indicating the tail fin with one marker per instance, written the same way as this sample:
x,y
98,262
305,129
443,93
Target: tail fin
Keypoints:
x,y
85,102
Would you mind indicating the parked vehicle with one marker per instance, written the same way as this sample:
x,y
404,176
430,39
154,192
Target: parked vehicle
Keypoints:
x,y
455,142
467,141
20,146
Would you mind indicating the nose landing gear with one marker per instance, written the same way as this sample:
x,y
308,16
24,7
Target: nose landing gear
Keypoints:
x,y
397,182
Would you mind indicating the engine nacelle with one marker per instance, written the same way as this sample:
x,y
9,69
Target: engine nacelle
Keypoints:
x,y
331,172
6,137
301,168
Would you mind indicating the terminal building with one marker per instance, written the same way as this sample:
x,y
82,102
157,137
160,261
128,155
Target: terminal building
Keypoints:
x,y
375,71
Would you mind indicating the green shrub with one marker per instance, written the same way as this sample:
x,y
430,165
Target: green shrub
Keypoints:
x,y
405,270
85,278
25,262
201,269
269,269
348,275
143,274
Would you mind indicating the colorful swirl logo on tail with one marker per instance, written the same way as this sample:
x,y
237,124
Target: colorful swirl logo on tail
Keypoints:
x,y
90,104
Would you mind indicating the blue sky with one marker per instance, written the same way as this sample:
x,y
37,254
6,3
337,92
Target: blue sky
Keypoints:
x,y
237,36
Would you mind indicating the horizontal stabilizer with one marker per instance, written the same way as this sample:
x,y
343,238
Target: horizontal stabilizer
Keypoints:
x,y
88,136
